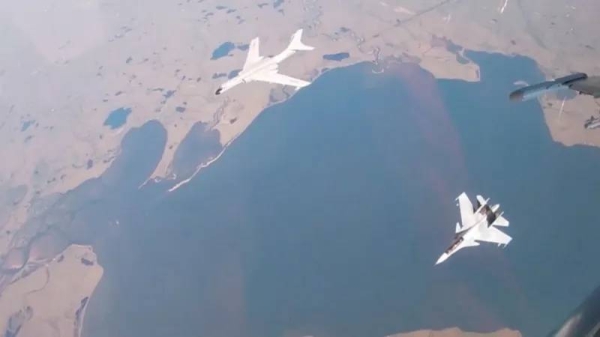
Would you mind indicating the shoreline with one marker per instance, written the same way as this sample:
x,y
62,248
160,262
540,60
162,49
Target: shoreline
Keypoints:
x,y
89,297
72,275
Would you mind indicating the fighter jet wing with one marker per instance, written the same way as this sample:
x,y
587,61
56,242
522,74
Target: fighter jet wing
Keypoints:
x,y
501,221
467,216
493,235
275,77
253,55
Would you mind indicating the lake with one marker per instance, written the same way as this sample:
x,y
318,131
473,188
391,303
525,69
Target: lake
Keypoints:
x,y
117,118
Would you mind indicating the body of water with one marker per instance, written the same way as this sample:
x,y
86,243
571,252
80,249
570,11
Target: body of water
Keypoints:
x,y
336,57
327,215
117,118
233,73
222,50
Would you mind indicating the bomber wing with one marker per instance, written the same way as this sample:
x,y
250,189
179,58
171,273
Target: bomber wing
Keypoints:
x,y
253,55
272,76
493,235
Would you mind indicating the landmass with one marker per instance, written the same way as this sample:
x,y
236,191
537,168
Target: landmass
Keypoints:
x,y
51,300
77,75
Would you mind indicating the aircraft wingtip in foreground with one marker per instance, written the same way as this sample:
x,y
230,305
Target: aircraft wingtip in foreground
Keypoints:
x,y
578,82
265,69
478,224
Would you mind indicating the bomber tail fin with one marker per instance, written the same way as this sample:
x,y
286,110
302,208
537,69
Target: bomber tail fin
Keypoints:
x,y
296,43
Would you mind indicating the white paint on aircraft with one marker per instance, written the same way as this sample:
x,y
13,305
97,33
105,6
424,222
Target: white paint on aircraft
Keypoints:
x,y
265,69
475,227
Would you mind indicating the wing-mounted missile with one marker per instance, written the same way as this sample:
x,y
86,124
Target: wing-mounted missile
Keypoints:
x,y
569,79
536,90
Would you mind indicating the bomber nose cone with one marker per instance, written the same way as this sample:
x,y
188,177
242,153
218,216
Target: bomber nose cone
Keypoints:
x,y
442,258
218,91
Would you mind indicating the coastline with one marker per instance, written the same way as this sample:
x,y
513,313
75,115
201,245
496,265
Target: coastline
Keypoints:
x,y
71,276
84,310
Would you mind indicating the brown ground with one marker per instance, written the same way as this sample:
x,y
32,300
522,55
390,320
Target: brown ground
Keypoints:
x,y
48,301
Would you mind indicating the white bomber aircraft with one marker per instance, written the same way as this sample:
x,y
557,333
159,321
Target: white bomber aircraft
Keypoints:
x,y
478,224
259,68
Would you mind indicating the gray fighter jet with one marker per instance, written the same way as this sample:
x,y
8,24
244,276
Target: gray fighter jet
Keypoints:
x,y
579,82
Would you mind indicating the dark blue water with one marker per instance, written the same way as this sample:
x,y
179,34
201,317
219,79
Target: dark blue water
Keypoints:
x,y
326,216
277,3
336,57
222,50
117,118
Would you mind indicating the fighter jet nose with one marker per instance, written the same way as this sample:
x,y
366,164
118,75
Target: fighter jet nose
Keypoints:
x,y
218,92
441,259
